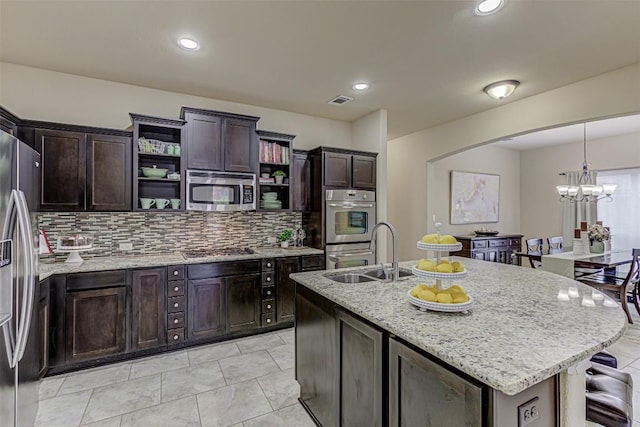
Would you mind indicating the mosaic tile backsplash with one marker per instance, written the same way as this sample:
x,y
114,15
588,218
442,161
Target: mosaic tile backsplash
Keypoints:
x,y
157,233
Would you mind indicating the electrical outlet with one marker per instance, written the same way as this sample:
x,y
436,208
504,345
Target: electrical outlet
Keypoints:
x,y
271,240
528,412
125,246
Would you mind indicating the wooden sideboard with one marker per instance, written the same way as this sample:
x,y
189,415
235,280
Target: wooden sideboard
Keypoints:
x,y
498,248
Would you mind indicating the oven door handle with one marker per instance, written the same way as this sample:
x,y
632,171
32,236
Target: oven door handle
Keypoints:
x,y
351,205
336,258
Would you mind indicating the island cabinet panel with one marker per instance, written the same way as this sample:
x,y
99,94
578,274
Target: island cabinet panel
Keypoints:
x,y
317,363
108,173
286,288
149,325
243,302
207,313
360,349
95,323
423,392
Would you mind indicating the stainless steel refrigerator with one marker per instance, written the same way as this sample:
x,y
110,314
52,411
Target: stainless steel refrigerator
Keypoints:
x,y
19,343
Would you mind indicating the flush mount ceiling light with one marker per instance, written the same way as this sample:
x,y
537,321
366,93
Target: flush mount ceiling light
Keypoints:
x,y
188,44
586,190
360,86
488,7
501,89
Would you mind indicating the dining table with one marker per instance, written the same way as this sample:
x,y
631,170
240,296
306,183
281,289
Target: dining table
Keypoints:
x,y
566,263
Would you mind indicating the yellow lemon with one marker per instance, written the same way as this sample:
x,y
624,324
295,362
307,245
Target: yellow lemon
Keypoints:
x,y
447,240
443,261
444,298
457,266
430,238
456,288
444,268
427,295
414,292
427,265
459,297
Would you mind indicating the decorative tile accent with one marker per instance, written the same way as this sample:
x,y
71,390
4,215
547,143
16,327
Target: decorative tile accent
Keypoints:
x,y
159,232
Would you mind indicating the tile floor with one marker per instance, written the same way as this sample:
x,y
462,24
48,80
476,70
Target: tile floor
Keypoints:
x,y
242,383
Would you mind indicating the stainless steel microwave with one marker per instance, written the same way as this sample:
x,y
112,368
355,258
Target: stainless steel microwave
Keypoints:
x,y
220,191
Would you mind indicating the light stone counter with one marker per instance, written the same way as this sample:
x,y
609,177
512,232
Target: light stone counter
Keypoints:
x,y
516,335
119,263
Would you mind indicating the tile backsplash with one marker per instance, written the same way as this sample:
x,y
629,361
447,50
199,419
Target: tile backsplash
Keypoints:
x,y
156,233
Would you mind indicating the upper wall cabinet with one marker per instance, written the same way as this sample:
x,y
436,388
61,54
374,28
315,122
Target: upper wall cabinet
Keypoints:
x,y
8,122
220,141
346,168
83,170
159,144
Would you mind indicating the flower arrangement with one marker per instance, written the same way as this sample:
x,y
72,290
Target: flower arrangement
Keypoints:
x,y
598,233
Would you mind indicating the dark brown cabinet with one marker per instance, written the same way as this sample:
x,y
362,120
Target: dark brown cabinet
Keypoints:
x,y
220,141
148,308
82,171
286,291
300,182
207,313
348,170
499,248
243,302
8,122
275,156
360,349
43,328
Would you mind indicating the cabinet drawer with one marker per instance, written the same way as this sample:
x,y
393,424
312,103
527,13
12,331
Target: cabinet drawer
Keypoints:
x,y
268,264
268,306
96,280
175,305
175,288
175,335
497,243
268,279
175,320
480,244
268,292
516,243
268,319
175,272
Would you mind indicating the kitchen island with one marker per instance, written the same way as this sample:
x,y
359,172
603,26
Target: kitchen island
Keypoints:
x,y
517,344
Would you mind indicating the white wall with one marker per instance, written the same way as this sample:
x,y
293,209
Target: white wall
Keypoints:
x,y
37,94
610,94
540,208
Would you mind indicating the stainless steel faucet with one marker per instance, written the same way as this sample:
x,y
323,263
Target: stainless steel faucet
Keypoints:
x,y
395,271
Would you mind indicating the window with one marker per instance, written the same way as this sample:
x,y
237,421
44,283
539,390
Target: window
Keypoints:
x,y
622,215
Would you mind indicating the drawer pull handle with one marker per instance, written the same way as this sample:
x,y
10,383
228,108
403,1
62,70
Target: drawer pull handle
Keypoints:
x,y
268,292
268,279
268,306
175,272
175,321
176,289
269,265
268,320
176,305
175,337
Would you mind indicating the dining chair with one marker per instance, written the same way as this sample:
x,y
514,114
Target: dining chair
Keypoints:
x,y
534,247
555,244
619,287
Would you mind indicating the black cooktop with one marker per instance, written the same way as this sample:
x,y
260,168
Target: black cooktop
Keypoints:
x,y
200,253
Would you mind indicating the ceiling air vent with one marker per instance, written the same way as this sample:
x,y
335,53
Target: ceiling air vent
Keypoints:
x,y
340,99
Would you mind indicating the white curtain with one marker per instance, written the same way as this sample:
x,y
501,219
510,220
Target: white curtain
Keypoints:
x,y
622,214
574,213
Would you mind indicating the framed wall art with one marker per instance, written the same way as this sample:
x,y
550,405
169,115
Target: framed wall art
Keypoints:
x,y
475,197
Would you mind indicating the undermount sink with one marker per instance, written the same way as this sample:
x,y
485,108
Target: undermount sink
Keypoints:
x,y
379,273
348,277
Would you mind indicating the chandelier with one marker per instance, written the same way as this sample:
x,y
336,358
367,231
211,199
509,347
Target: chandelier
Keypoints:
x,y
585,191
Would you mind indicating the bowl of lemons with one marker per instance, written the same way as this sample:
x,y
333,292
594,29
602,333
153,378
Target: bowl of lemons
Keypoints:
x,y
430,297
441,243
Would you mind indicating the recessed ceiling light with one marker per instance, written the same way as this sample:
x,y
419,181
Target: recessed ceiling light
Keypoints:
x,y
487,7
360,86
188,44
501,89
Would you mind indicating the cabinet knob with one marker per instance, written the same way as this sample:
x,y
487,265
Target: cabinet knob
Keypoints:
x,y
268,320
268,279
175,321
268,292
269,264
175,272
176,305
268,306
176,289
175,337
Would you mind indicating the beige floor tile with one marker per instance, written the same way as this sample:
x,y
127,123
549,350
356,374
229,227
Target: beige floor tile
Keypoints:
x,y
209,353
247,366
63,411
158,364
293,415
49,387
281,388
288,335
284,355
192,380
232,404
179,413
109,422
95,378
260,342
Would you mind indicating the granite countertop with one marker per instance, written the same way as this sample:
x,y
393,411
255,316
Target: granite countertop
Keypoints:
x,y
516,335
121,262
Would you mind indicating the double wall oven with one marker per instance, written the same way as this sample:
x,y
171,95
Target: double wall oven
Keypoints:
x,y
349,218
